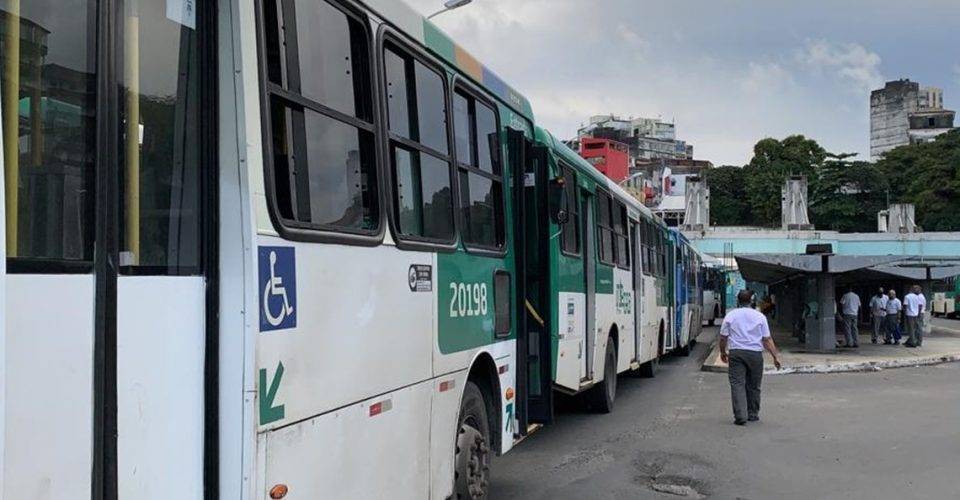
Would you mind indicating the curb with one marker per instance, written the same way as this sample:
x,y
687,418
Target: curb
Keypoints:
x,y
863,366
867,366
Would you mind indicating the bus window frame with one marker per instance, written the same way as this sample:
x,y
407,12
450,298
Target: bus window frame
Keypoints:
x,y
573,209
620,207
292,230
387,36
601,196
458,82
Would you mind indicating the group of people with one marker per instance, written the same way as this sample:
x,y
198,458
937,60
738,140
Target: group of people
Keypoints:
x,y
886,311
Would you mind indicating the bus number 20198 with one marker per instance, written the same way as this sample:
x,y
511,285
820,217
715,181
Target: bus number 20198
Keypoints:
x,y
468,299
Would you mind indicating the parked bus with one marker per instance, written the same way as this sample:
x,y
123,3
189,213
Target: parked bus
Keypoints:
x,y
605,274
688,293
303,247
714,285
945,295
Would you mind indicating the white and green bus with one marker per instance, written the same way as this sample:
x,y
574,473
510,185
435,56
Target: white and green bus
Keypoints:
x,y
293,249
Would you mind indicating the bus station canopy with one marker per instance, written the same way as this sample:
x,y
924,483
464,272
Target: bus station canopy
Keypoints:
x,y
776,268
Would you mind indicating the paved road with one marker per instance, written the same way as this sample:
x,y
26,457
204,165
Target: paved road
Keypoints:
x,y
888,434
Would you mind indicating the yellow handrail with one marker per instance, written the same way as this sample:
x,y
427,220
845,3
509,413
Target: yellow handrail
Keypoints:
x,y
533,312
11,125
132,185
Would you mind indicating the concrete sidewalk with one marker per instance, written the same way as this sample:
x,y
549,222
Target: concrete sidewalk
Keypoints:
x,y
941,346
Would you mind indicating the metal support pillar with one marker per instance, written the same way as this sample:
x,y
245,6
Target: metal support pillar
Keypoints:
x,y
821,326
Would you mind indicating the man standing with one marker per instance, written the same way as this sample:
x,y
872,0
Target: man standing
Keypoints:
x,y
893,318
746,332
878,314
851,317
914,305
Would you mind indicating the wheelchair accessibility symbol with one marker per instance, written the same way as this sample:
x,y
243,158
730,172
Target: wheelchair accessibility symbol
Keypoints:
x,y
278,288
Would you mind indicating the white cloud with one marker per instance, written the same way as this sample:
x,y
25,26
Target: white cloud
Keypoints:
x,y
761,77
850,61
724,92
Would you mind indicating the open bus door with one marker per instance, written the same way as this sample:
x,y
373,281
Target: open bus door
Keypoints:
x,y
531,238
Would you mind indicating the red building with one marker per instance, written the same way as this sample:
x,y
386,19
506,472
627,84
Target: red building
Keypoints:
x,y
610,157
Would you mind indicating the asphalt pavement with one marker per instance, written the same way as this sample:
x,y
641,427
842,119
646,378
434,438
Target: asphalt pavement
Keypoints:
x,y
876,435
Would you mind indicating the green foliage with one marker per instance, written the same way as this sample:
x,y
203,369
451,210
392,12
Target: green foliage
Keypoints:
x,y
728,198
927,175
845,194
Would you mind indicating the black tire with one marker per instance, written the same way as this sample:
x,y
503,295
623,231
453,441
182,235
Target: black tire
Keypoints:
x,y
604,394
472,453
649,369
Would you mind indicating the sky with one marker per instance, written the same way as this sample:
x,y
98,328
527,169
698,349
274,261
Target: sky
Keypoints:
x,y
728,72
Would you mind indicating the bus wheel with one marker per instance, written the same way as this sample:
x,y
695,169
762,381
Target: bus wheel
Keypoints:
x,y
472,456
603,394
649,369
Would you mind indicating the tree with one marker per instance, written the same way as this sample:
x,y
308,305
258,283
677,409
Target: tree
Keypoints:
x,y
844,194
772,162
728,196
847,195
927,175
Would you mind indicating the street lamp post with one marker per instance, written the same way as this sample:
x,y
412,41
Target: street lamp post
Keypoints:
x,y
448,6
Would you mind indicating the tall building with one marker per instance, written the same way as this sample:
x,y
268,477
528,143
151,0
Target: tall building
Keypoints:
x,y
903,113
647,138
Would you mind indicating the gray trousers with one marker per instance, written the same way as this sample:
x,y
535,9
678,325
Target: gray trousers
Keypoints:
x,y
851,329
746,372
879,324
914,330
891,326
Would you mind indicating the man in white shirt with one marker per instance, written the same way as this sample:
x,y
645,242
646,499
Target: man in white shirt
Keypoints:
x,y
893,318
878,314
851,317
914,305
746,333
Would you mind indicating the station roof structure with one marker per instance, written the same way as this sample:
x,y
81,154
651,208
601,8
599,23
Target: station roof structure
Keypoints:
x,y
777,268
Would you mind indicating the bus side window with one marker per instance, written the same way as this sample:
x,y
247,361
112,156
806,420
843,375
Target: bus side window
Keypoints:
x,y
570,235
605,229
419,153
475,126
622,239
320,105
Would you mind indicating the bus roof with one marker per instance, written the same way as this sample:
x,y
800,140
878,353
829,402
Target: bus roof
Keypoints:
x,y
421,29
577,161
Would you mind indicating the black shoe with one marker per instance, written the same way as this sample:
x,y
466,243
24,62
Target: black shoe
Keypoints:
x,y
887,342
908,344
739,422
874,341
754,418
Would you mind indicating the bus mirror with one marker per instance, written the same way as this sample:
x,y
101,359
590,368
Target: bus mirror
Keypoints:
x,y
559,204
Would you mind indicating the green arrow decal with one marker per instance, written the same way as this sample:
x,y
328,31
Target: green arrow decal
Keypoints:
x,y
509,426
268,412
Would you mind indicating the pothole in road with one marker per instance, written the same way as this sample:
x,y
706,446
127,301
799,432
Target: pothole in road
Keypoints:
x,y
674,474
675,486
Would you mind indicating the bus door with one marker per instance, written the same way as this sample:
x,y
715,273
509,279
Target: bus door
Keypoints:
x,y
532,236
638,292
165,229
590,277
106,186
